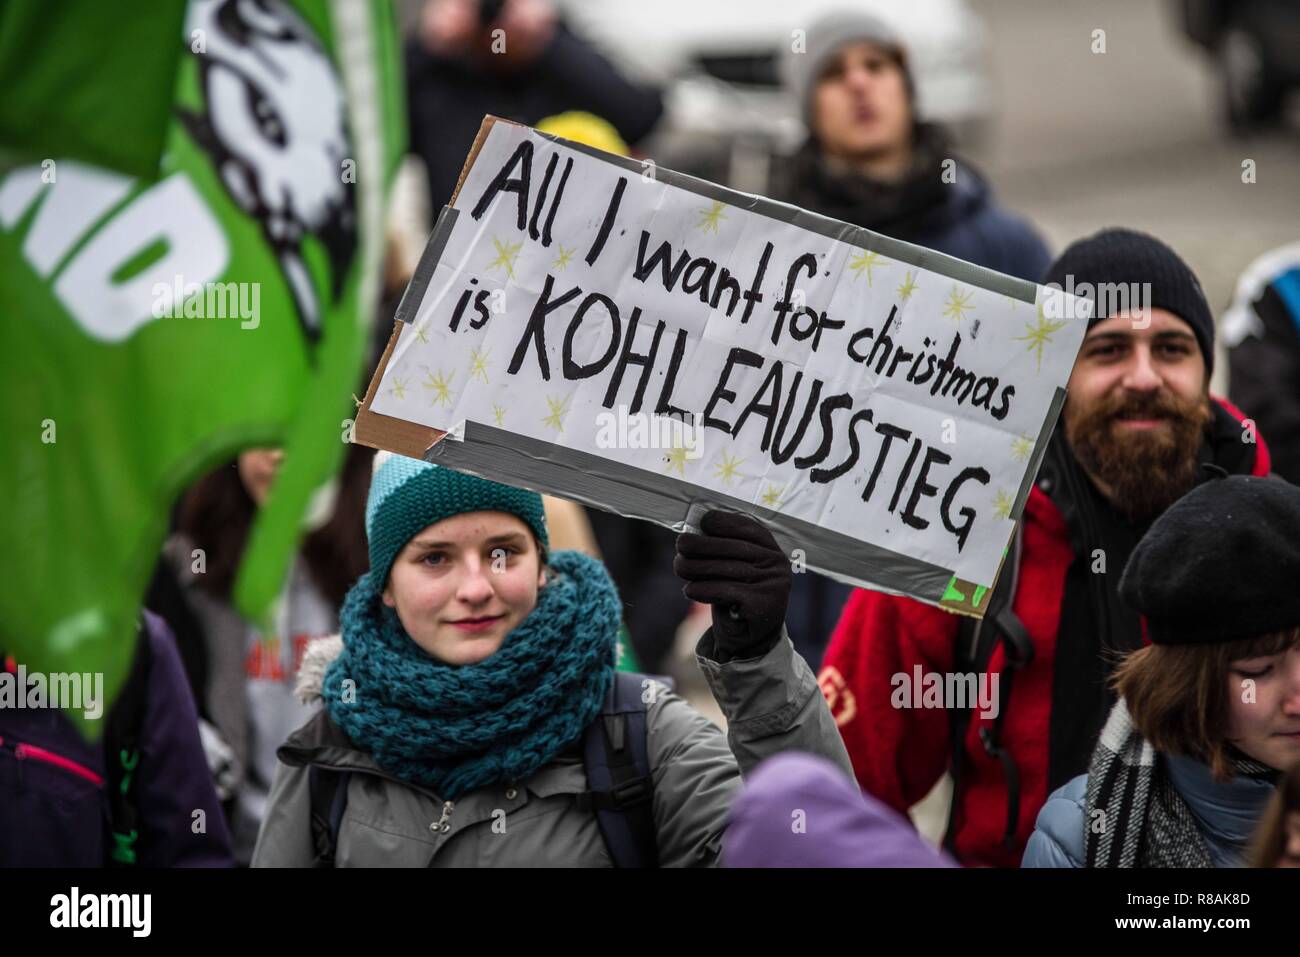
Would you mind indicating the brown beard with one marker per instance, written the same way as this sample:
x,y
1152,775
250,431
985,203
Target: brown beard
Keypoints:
x,y
1145,471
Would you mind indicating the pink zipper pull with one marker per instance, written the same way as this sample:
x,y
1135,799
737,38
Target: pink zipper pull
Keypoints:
x,y
24,752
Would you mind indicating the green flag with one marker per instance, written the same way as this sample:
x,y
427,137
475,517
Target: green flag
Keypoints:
x,y
157,322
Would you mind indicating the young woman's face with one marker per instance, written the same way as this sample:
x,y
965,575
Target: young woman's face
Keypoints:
x,y
1264,707
463,584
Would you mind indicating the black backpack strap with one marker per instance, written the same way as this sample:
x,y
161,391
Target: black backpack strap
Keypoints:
x,y
328,789
122,753
619,775
1019,652
976,641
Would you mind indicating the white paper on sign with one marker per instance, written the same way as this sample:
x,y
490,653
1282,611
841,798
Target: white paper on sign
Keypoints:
x,y
847,387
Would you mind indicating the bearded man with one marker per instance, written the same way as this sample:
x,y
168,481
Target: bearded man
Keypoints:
x,y
1138,430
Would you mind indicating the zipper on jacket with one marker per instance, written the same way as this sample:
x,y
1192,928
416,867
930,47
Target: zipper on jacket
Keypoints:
x,y
442,825
31,752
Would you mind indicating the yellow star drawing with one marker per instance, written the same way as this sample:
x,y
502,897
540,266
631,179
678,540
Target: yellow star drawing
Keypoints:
x,y
558,406
421,332
562,261
959,304
499,414
726,469
676,459
507,253
863,262
1039,335
907,288
398,389
1021,448
440,385
772,497
711,217
1002,505
478,363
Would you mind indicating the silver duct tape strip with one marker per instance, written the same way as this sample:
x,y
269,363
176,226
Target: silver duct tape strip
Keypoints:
x,y
635,493
415,289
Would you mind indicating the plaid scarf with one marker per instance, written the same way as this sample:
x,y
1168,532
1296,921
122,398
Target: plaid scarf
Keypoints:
x,y
1134,816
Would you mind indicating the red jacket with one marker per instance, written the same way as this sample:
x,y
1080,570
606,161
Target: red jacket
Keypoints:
x,y
899,754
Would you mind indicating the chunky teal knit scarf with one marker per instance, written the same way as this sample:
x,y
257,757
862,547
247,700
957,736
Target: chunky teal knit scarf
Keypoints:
x,y
453,729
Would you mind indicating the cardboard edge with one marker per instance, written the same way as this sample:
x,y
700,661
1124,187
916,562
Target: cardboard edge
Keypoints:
x,y
974,600
480,138
383,431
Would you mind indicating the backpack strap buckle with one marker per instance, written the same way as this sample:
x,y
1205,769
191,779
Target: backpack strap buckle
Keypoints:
x,y
619,775
632,793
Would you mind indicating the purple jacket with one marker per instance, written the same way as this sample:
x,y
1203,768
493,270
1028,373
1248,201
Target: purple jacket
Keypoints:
x,y
798,810
53,806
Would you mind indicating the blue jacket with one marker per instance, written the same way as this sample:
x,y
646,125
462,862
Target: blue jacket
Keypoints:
x,y
947,208
53,805
1262,332
1227,813
972,226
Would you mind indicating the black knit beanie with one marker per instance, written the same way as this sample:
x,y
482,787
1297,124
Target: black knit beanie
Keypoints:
x,y
1220,563
1132,258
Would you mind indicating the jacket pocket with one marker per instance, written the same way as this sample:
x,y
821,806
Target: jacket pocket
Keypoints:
x,y
546,832
365,844
385,825
57,805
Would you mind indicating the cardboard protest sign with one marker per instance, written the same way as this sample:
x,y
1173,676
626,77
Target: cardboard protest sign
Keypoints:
x,y
644,341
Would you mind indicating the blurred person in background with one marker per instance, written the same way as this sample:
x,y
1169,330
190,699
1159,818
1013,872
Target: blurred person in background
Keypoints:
x,y
247,685
1208,715
138,794
1138,430
1277,844
1262,332
870,160
510,58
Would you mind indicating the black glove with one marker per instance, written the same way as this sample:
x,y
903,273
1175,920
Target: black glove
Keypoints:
x,y
737,567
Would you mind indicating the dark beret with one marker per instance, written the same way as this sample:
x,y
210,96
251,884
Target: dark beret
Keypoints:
x,y
1220,564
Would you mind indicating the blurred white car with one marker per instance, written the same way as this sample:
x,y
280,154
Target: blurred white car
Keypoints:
x,y
719,62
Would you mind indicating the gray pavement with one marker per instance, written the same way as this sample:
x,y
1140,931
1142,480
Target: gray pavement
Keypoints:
x,y
1131,137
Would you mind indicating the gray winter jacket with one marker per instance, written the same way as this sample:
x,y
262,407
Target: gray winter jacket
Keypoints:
x,y
772,704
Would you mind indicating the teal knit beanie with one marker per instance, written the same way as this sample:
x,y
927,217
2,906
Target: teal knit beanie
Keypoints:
x,y
408,495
